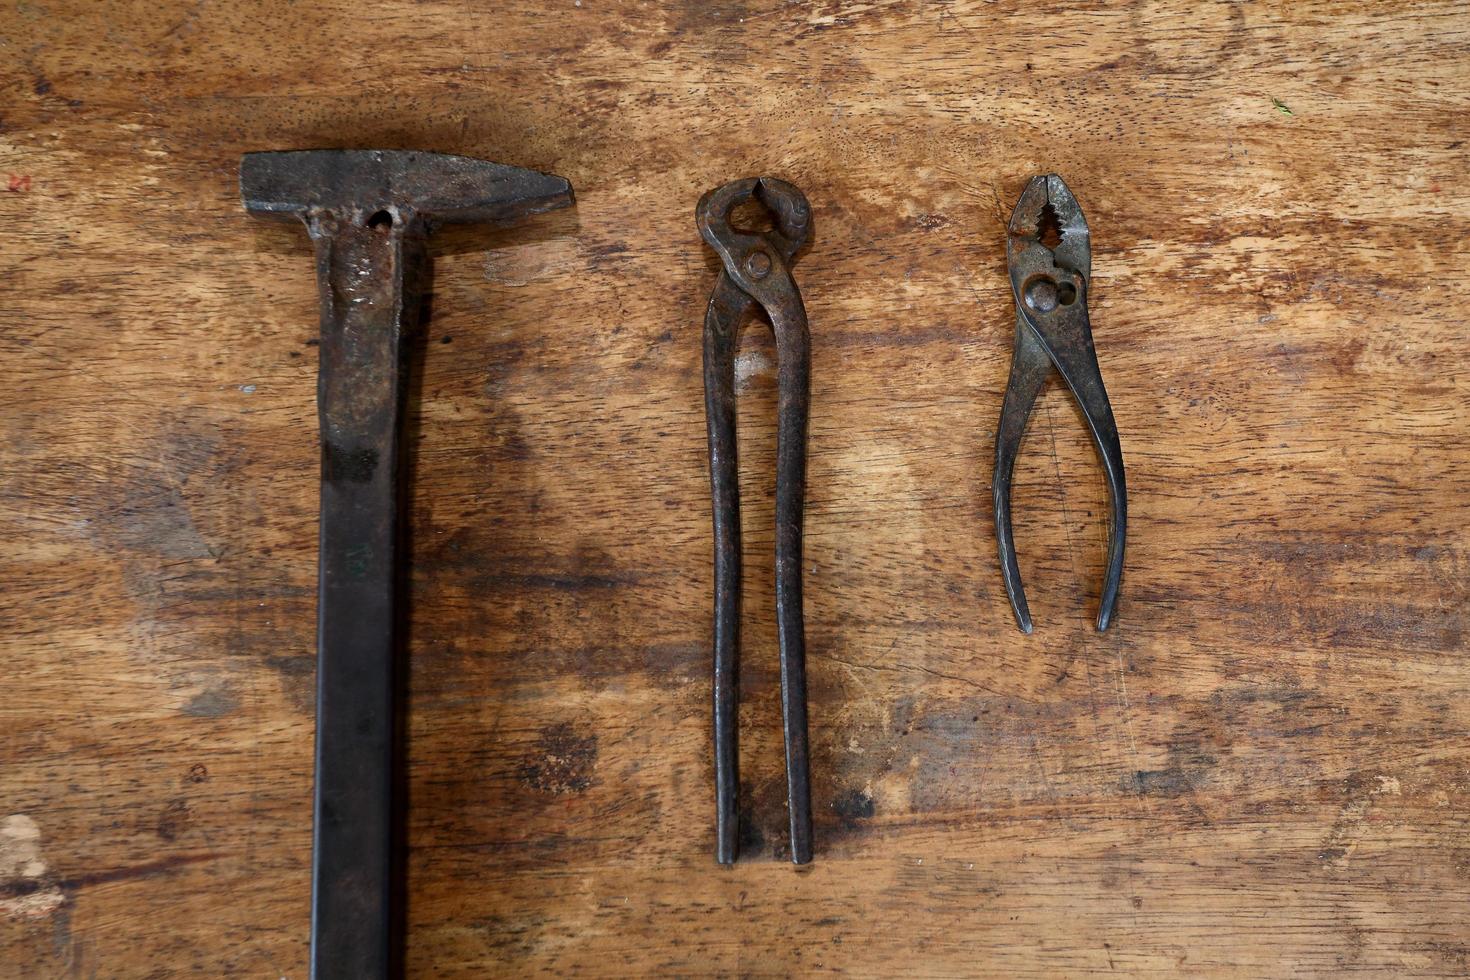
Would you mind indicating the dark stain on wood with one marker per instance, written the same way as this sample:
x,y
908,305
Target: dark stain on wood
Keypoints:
x,y
173,820
853,808
563,761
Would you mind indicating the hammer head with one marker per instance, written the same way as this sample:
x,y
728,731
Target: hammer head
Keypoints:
x,y
409,186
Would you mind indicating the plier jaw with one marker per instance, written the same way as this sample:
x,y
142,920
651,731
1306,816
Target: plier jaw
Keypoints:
x,y
1047,200
1049,259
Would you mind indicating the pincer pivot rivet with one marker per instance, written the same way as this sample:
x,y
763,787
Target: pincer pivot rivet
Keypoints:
x,y
758,264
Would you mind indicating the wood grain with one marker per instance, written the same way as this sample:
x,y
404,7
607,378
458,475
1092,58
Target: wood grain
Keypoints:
x,y
1263,770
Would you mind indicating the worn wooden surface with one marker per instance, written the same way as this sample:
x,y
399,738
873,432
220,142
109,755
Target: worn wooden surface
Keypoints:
x,y
1262,770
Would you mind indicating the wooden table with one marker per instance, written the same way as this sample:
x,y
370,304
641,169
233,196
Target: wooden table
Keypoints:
x,y
1262,770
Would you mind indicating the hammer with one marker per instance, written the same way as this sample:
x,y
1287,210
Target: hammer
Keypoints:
x,y
369,214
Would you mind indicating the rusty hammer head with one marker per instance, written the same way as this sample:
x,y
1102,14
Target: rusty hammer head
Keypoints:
x,y
395,187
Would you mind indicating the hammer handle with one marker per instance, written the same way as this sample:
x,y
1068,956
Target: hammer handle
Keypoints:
x,y
369,278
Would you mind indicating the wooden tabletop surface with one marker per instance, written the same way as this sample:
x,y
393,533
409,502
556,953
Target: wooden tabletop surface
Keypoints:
x,y
1262,770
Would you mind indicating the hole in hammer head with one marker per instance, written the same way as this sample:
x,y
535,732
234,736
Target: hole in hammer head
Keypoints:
x,y
381,220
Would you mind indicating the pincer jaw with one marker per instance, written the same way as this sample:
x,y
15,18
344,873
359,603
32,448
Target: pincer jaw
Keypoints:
x,y
787,204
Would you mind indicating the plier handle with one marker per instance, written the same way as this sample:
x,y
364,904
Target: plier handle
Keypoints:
x,y
1050,282
757,273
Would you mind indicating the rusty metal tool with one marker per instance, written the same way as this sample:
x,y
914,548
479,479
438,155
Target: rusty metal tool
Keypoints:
x,y
757,274
369,214
1049,255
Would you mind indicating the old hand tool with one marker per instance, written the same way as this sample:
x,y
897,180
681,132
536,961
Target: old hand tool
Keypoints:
x,y
757,274
369,213
1050,279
